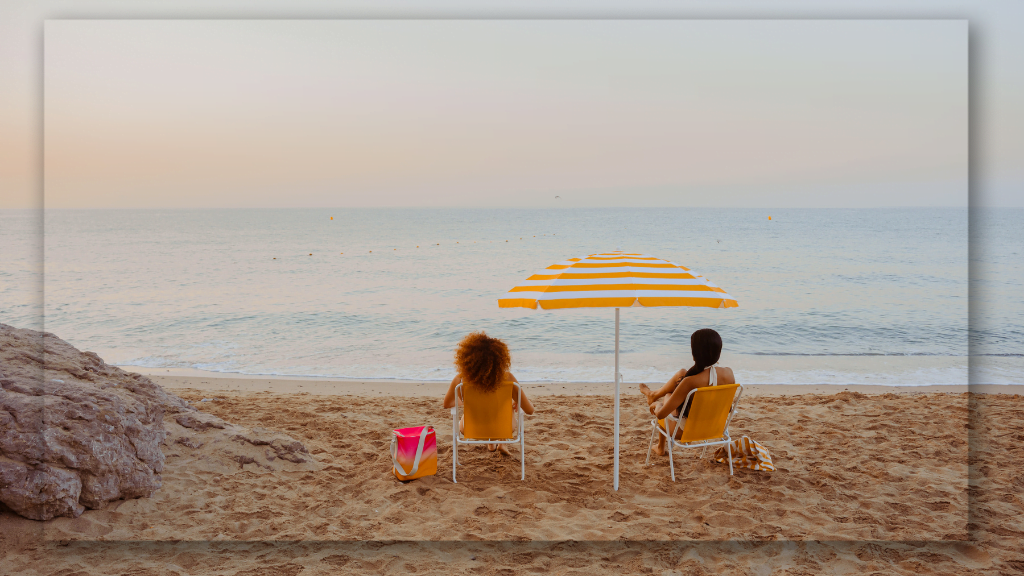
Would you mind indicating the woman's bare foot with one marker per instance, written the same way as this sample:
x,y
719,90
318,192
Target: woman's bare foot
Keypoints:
x,y
647,392
500,448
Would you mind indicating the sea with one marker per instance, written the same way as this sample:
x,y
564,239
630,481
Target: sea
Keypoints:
x,y
905,297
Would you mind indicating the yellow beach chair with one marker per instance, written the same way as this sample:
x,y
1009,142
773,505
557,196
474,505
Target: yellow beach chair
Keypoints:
x,y
489,420
711,410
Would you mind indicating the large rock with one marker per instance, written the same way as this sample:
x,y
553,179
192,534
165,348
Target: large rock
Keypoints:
x,y
76,433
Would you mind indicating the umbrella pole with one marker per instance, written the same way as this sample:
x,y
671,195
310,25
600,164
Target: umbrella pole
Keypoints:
x,y
615,483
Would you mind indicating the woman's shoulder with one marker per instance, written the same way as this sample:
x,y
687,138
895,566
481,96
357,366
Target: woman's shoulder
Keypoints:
x,y
703,378
694,380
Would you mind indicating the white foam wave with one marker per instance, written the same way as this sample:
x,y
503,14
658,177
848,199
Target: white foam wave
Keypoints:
x,y
909,376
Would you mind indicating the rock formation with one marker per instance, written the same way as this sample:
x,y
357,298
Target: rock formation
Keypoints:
x,y
77,433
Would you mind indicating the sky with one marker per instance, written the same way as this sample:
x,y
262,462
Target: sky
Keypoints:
x,y
230,113
504,113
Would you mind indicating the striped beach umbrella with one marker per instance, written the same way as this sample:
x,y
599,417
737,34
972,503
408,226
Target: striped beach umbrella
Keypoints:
x,y
616,280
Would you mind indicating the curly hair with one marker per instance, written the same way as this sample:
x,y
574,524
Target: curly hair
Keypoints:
x,y
482,360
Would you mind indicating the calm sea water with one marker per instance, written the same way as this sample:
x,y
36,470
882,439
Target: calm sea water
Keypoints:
x,y
826,296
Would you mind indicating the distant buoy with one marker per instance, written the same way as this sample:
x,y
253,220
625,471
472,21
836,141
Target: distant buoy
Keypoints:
x,y
417,246
275,258
340,252
310,253
769,217
332,217
371,251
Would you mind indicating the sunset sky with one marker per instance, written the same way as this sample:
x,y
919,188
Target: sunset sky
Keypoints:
x,y
243,113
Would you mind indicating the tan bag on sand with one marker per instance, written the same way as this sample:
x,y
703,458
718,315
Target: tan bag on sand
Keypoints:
x,y
747,453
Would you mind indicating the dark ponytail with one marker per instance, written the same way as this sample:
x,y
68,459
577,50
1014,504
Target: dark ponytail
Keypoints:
x,y
706,345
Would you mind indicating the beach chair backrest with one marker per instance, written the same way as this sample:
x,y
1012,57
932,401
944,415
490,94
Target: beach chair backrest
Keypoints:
x,y
710,410
487,415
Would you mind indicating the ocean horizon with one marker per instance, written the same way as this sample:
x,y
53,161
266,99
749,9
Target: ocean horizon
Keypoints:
x,y
826,296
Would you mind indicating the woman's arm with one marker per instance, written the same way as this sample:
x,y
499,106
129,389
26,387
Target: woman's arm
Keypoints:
x,y
669,386
449,397
516,388
677,398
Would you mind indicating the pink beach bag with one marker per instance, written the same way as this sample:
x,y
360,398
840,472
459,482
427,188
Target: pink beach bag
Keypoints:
x,y
414,452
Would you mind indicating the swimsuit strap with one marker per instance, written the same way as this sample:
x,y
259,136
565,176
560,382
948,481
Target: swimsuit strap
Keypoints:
x,y
713,376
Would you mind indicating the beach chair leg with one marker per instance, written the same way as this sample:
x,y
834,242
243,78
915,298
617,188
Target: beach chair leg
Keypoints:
x,y
522,451
702,453
455,451
650,445
671,465
728,450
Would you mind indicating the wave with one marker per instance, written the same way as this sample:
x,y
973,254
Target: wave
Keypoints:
x,y
940,354
958,374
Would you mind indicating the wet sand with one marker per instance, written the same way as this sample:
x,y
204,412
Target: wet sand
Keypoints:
x,y
214,381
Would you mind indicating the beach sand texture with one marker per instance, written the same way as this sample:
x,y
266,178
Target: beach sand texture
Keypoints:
x,y
850,466
871,499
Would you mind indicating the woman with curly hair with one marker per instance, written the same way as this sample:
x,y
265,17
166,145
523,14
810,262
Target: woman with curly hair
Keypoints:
x,y
483,363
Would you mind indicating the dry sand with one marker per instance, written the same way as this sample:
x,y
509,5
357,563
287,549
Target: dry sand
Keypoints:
x,y
865,483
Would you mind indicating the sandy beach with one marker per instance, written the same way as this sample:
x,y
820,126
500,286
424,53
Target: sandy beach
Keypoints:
x,y
864,482
328,215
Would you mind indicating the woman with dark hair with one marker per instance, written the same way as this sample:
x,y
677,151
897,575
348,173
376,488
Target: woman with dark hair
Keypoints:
x,y
483,363
706,346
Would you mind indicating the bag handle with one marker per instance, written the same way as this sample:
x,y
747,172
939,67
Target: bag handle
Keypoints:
x,y
419,453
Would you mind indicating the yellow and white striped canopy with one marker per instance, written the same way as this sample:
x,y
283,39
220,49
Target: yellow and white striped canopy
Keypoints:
x,y
616,280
